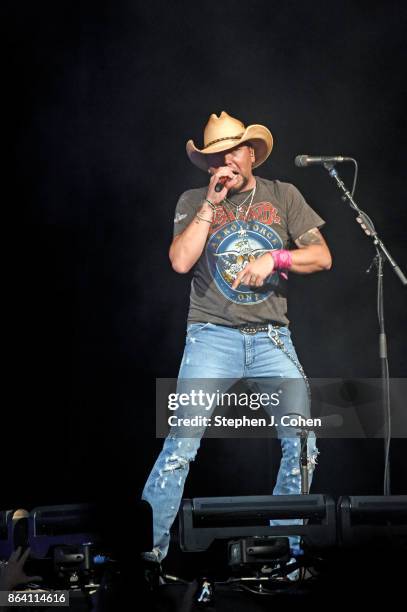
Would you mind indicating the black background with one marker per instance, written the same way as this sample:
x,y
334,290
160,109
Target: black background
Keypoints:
x,y
103,96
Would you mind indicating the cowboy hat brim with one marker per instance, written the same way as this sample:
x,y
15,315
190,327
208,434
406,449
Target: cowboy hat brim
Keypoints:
x,y
258,135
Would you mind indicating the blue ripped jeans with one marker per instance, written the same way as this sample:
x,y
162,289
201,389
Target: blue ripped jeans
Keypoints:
x,y
219,352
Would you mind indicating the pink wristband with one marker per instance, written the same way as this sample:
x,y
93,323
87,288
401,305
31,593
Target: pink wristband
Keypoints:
x,y
282,259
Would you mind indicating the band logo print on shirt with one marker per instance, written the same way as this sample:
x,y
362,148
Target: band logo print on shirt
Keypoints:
x,y
230,249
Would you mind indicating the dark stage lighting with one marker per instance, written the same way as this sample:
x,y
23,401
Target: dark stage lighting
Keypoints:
x,y
79,547
47,527
204,520
258,551
53,526
373,520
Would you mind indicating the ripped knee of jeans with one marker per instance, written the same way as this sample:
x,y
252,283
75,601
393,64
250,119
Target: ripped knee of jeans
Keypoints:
x,y
175,462
175,466
179,457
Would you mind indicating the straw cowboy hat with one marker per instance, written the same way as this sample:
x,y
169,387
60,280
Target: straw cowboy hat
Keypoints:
x,y
223,133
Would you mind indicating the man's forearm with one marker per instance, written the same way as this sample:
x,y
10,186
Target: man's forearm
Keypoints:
x,y
313,258
187,247
312,255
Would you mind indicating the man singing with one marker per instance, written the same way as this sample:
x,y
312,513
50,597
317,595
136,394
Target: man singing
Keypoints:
x,y
239,235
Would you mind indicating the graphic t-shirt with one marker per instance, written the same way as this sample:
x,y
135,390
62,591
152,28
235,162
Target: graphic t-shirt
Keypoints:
x,y
278,215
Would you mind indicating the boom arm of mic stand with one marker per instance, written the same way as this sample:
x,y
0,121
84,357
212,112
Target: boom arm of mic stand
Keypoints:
x,y
373,234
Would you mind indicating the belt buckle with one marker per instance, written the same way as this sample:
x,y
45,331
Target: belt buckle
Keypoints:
x,y
247,329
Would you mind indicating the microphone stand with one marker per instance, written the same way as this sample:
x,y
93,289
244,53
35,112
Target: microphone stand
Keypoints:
x,y
302,433
304,462
382,254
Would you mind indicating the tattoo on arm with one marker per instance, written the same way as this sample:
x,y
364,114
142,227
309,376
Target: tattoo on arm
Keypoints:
x,y
313,236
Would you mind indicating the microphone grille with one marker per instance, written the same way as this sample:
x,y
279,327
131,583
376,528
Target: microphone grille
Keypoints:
x,y
301,161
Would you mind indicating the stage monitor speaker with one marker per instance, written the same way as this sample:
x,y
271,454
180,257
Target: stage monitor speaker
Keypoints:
x,y
203,520
373,520
47,527
68,524
76,524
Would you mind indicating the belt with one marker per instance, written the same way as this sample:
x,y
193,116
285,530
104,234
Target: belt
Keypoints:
x,y
254,328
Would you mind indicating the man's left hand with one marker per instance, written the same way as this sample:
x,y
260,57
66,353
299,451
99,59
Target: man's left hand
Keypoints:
x,y
255,273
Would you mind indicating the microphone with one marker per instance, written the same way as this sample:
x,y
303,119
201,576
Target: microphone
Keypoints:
x,y
306,160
